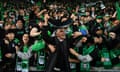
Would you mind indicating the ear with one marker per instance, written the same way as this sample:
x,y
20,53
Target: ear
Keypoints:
x,y
56,31
6,35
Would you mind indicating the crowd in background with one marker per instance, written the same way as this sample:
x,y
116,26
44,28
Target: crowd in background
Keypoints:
x,y
26,30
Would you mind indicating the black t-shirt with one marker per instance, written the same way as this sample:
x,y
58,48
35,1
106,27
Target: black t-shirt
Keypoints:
x,y
19,33
32,18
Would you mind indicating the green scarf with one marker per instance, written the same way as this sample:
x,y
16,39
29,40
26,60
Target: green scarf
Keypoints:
x,y
87,50
85,67
117,5
105,54
25,48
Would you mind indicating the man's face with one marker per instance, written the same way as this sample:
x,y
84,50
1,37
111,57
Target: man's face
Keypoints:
x,y
21,11
87,13
96,40
116,22
19,24
10,36
7,27
99,32
60,33
106,18
99,20
93,9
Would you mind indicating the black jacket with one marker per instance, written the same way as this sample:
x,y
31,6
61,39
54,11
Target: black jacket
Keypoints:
x,y
59,59
8,48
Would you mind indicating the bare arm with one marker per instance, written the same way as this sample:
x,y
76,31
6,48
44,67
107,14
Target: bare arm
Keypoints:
x,y
51,47
46,17
41,12
73,60
72,51
114,15
34,32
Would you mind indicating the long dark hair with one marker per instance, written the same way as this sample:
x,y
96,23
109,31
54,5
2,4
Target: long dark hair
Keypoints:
x,y
22,43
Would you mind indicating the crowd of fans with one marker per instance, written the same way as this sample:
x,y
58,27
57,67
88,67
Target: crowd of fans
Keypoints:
x,y
59,37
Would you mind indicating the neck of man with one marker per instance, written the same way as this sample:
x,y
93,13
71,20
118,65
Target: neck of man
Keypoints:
x,y
60,39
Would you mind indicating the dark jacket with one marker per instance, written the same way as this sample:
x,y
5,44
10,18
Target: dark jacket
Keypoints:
x,y
59,59
10,48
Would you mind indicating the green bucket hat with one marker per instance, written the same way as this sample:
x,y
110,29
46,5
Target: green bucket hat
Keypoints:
x,y
99,17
